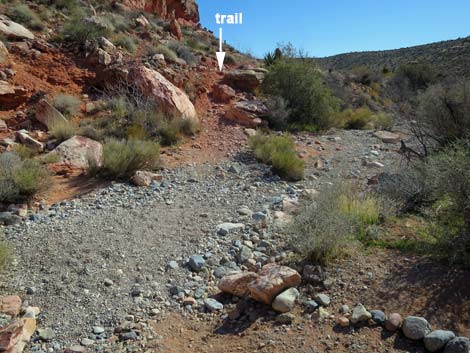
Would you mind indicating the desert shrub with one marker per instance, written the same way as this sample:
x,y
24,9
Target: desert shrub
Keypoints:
x,y
80,29
412,78
278,113
301,85
280,153
335,221
63,130
365,75
23,14
67,105
450,185
19,178
438,187
443,115
137,117
362,118
121,159
25,152
126,42
69,6
183,52
169,54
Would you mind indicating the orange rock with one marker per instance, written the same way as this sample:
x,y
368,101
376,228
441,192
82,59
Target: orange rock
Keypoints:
x,y
10,305
168,9
273,279
175,29
237,283
15,336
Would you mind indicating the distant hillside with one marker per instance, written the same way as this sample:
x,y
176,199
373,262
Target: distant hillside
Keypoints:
x,y
451,56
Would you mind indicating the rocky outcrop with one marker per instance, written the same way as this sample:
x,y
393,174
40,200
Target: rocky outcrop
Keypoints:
x,y
80,151
246,80
3,53
11,96
247,113
223,93
157,88
47,115
24,137
13,30
168,9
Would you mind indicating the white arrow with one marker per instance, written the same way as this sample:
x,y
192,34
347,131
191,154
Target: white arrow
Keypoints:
x,y
220,54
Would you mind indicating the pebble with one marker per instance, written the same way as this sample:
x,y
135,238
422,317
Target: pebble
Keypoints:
x,y
98,330
311,306
342,321
436,340
393,322
378,317
213,305
196,263
360,314
415,328
458,345
46,334
322,299
87,342
285,301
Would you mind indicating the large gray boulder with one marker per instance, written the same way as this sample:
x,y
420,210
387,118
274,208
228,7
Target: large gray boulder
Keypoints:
x,y
13,30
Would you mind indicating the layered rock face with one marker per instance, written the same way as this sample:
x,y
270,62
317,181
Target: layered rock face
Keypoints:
x,y
182,9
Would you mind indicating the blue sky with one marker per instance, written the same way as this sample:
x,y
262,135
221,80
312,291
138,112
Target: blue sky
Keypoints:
x,y
329,27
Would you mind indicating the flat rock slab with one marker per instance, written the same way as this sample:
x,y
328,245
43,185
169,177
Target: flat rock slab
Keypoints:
x,y
387,136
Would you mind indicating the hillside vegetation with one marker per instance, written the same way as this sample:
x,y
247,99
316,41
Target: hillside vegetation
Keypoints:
x,y
451,57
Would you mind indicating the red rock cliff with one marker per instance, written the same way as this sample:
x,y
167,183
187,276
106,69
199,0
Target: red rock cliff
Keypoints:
x,y
182,9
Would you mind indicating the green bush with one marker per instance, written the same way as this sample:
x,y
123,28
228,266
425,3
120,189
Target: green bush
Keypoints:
x,y
278,113
67,105
331,225
438,187
450,185
126,42
362,118
20,179
80,29
280,153
121,159
443,115
63,130
301,85
365,75
169,54
142,119
23,14
410,79
183,52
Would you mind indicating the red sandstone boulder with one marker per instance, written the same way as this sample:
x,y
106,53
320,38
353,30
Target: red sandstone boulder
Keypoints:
x,y
237,283
80,151
168,9
169,97
273,279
